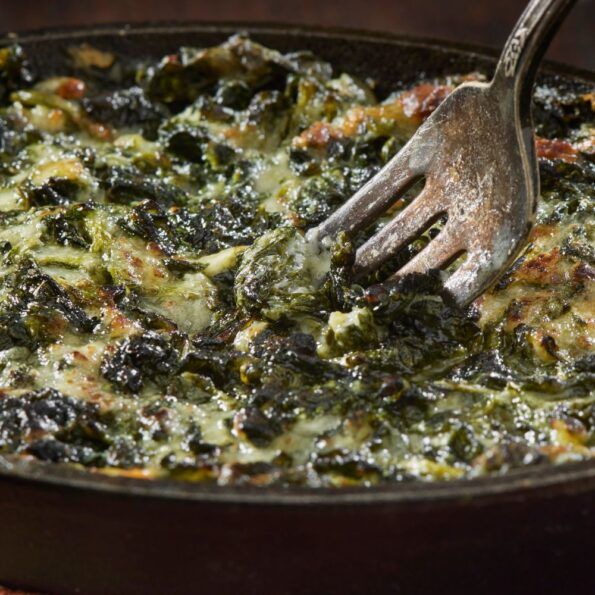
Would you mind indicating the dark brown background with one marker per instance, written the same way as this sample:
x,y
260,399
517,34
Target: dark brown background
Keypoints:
x,y
480,21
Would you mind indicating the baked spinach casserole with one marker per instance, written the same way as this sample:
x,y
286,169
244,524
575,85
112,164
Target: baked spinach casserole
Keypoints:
x,y
164,315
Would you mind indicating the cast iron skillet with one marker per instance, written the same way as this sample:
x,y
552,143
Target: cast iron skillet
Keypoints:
x,y
66,531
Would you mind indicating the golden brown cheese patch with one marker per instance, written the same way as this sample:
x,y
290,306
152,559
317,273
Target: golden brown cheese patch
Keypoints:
x,y
543,269
555,149
405,114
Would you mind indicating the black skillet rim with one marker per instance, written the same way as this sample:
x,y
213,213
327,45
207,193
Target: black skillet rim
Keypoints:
x,y
570,477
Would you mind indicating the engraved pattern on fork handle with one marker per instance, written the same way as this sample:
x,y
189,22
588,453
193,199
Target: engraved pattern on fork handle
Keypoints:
x,y
527,43
513,51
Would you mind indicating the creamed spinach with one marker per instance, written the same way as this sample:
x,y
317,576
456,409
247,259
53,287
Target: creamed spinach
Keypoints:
x,y
163,314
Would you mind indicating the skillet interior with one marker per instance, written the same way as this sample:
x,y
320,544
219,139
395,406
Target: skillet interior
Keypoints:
x,y
364,54
393,61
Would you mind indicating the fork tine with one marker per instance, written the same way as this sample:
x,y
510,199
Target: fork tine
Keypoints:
x,y
469,280
438,253
375,197
397,233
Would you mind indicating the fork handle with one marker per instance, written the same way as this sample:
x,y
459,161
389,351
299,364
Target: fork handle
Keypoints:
x,y
526,45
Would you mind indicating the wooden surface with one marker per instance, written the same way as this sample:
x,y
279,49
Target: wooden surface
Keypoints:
x,y
479,21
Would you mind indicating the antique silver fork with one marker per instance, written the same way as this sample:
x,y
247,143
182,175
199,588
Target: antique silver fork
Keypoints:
x,y
477,155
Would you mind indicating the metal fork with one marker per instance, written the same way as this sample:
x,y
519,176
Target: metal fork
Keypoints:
x,y
476,152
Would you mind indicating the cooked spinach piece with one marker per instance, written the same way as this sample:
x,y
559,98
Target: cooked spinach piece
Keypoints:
x,y
126,108
140,358
56,191
40,308
68,227
15,72
52,427
14,331
128,185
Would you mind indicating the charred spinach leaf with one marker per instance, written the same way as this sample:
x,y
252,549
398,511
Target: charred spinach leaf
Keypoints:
x,y
138,359
53,427
124,108
14,71
43,307
56,191
127,185
67,227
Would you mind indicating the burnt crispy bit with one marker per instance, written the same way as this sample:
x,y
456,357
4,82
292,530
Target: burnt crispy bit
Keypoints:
x,y
14,332
257,473
257,427
268,112
52,426
169,229
344,463
138,359
191,227
558,109
207,362
234,219
543,269
412,406
126,108
198,445
318,197
179,79
186,143
56,191
294,357
14,136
